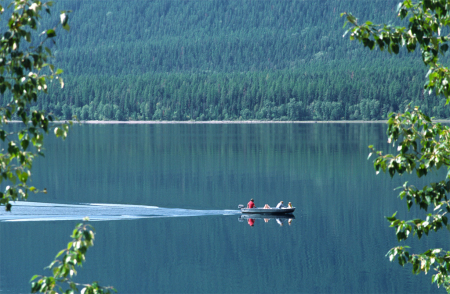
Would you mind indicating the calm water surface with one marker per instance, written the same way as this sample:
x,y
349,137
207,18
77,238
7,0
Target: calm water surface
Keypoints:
x,y
196,175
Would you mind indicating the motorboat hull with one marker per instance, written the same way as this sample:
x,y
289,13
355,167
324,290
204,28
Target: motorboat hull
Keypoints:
x,y
272,211
246,216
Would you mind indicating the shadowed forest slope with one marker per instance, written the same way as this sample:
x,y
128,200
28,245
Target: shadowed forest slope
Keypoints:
x,y
229,59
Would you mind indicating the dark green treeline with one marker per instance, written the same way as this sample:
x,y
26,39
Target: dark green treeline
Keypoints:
x,y
228,60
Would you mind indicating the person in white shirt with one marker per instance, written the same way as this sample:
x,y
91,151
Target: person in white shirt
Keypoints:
x,y
280,205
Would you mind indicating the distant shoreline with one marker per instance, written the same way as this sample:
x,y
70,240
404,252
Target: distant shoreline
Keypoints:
x,y
228,122
154,122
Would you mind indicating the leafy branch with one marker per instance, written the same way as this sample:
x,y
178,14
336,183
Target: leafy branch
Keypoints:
x,y
422,145
65,267
25,72
426,20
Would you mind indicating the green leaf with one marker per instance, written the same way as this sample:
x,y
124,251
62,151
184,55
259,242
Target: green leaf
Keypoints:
x,y
64,18
395,48
60,252
392,218
34,277
51,33
23,177
24,144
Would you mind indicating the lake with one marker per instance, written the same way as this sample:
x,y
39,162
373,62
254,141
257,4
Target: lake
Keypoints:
x,y
180,230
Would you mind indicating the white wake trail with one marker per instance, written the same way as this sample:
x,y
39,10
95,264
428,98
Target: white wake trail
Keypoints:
x,y
38,211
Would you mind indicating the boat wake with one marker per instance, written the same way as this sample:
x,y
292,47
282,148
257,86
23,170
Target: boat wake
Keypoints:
x,y
37,211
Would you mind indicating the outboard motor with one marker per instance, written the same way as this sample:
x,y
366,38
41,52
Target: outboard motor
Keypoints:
x,y
240,206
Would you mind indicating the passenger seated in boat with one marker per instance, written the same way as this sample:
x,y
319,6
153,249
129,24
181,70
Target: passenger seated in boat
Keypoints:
x,y
266,206
280,205
289,205
251,204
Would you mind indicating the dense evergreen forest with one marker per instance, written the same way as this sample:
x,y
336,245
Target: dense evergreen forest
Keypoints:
x,y
229,60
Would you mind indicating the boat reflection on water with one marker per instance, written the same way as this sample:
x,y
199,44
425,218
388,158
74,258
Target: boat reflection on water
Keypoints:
x,y
280,219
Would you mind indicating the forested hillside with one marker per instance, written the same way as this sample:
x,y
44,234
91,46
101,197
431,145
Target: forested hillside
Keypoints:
x,y
228,60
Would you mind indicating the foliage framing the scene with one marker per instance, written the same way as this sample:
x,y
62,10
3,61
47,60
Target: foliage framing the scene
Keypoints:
x,y
25,72
65,268
422,144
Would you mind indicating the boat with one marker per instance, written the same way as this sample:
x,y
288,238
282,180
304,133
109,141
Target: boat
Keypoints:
x,y
246,216
284,210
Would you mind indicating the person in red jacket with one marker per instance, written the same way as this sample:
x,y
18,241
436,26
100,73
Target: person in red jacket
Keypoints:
x,y
251,204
